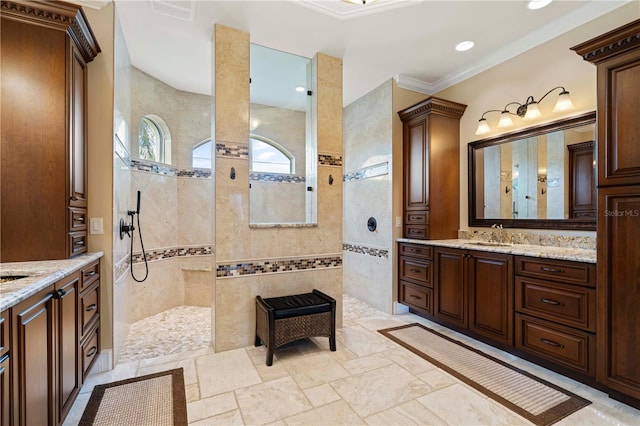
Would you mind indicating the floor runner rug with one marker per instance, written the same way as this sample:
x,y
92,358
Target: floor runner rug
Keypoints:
x,y
538,401
154,399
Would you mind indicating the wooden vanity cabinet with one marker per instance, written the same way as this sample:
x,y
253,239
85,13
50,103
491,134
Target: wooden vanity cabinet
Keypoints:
x,y
555,304
431,158
54,343
4,369
415,277
44,129
474,290
616,55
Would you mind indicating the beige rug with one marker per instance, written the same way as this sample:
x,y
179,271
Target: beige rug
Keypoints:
x,y
536,400
151,400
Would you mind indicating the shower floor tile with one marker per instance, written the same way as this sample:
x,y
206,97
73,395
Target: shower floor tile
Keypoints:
x,y
176,330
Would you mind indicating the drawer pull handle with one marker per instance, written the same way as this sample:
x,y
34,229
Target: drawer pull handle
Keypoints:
x,y
59,294
413,250
415,271
413,296
78,243
79,219
89,274
551,302
91,352
545,269
552,343
91,307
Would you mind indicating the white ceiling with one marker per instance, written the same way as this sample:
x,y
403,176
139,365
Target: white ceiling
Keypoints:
x,y
411,40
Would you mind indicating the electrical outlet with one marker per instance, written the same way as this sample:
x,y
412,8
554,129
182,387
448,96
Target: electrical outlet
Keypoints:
x,y
95,226
398,221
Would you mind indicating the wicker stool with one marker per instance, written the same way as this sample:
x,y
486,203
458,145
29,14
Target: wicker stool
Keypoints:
x,y
281,320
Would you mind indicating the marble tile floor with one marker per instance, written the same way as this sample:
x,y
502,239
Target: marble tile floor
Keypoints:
x,y
368,380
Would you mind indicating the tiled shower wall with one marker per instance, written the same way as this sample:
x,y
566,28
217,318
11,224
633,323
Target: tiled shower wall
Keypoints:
x,y
271,261
368,260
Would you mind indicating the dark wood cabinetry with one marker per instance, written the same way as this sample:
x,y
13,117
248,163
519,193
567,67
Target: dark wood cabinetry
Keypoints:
x,y
54,343
431,163
45,49
474,290
617,57
582,185
555,312
415,277
4,370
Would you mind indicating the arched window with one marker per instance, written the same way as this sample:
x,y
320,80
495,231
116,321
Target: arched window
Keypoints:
x,y
154,139
269,156
201,155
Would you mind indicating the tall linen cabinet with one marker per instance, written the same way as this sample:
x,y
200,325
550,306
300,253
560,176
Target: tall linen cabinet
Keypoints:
x,y
617,57
44,53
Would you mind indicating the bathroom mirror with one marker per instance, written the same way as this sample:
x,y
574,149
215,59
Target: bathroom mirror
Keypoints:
x,y
282,148
540,177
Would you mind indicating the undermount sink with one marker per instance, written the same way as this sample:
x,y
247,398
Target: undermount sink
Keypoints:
x,y
8,278
490,243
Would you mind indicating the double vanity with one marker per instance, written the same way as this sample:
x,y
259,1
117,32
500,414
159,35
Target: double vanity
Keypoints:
x,y
535,301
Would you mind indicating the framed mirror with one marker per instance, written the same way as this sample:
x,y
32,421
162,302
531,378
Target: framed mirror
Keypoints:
x,y
540,177
282,153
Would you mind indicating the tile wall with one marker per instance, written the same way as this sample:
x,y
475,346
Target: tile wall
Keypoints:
x,y
298,258
368,260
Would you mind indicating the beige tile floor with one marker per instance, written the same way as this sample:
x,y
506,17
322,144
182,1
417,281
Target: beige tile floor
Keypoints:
x,y
368,380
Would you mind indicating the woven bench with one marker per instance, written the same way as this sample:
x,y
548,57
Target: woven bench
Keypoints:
x,y
280,320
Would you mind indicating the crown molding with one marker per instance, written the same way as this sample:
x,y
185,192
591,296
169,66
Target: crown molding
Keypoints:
x,y
343,10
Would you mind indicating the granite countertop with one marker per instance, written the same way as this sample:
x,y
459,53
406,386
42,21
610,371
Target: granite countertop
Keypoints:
x,y
549,252
40,275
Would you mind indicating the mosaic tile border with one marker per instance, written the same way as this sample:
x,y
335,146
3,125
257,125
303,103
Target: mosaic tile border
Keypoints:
x,y
232,150
376,170
171,252
274,266
167,170
362,249
564,241
276,178
329,159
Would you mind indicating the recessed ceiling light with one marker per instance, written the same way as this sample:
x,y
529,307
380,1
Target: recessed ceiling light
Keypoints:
x,y
465,45
299,89
538,4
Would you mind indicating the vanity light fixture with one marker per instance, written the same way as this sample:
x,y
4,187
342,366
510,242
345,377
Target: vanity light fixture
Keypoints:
x,y
528,110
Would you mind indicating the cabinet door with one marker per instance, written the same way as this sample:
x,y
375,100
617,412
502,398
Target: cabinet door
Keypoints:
x,y
416,165
4,390
618,288
582,189
33,360
78,143
618,125
491,295
450,286
67,324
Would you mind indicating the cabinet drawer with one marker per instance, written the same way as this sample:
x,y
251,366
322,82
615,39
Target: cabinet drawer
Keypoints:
x,y
89,351
90,305
570,305
90,274
557,270
77,242
4,332
566,346
419,232
78,219
416,218
414,270
416,297
415,250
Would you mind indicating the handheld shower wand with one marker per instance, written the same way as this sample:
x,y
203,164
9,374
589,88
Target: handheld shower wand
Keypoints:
x,y
128,229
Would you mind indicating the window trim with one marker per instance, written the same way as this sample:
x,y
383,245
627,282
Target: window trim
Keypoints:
x,y
274,144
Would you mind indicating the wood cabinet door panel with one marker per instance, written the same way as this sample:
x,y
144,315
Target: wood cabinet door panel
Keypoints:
x,y
33,360
414,250
4,391
416,157
619,288
68,363
618,126
491,295
78,132
450,289
415,270
557,270
417,297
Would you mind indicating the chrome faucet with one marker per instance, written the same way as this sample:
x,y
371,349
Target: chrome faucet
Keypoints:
x,y
499,231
